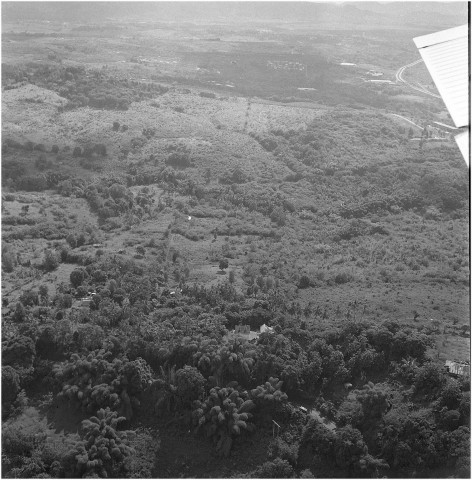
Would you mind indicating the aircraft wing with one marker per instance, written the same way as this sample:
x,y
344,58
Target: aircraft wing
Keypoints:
x,y
446,55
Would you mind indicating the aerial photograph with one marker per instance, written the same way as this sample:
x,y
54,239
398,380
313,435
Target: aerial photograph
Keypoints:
x,y
235,239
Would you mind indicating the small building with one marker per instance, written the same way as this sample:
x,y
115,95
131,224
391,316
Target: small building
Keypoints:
x,y
243,332
85,301
457,369
264,328
243,329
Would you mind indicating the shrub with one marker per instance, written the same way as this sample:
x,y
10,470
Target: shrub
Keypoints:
x,y
71,239
278,216
304,282
29,298
9,261
41,162
51,260
179,159
223,264
19,314
343,277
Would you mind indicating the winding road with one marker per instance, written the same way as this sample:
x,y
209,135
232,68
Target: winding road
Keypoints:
x,y
417,87
406,119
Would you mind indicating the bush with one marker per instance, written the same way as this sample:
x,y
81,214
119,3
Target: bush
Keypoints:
x,y
29,298
9,261
278,216
19,315
304,282
51,260
41,162
343,277
179,159
223,264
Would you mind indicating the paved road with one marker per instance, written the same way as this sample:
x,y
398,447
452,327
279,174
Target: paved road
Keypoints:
x,y
404,118
417,87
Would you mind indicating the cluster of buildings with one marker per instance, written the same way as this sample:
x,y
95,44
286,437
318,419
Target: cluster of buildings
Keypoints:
x,y
285,65
374,73
244,332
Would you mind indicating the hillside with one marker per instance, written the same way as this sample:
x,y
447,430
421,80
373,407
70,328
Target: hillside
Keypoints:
x,y
165,183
